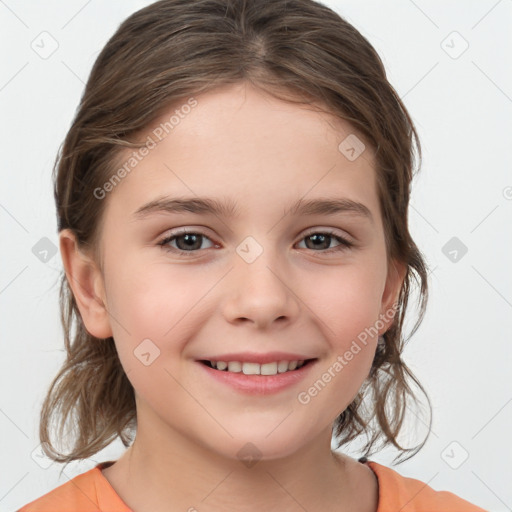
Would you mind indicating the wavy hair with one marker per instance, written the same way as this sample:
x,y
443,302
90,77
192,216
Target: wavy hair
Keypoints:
x,y
298,50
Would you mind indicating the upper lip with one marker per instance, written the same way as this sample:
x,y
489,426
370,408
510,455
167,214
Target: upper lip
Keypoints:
x,y
254,357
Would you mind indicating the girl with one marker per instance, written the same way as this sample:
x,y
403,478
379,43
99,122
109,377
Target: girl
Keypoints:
x,y
232,207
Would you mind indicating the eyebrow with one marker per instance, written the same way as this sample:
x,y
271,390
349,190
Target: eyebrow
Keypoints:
x,y
204,205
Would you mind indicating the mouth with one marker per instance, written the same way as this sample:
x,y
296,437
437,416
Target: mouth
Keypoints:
x,y
251,368
257,378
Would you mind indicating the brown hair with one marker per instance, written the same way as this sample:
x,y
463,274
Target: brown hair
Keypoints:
x,y
298,50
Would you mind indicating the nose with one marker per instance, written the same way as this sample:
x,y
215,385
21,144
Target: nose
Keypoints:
x,y
260,293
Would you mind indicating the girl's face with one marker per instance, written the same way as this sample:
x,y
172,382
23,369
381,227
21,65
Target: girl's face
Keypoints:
x,y
264,276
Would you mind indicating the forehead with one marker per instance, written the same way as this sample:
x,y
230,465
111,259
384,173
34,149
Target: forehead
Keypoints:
x,y
240,142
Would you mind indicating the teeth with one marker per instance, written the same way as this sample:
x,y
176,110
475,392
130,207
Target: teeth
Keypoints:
x,y
282,366
268,369
234,366
251,368
257,369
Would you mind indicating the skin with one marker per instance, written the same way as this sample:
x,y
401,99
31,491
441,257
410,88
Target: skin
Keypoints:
x,y
241,144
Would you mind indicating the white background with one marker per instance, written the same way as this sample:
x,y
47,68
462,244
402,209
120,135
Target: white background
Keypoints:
x,y
462,108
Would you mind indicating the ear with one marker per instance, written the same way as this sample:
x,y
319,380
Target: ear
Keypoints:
x,y
86,282
395,278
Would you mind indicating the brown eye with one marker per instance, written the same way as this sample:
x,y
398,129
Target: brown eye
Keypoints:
x,y
321,241
186,241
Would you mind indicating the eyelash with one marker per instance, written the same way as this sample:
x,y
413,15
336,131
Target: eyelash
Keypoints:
x,y
344,243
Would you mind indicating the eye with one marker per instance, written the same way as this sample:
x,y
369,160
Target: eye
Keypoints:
x,y
191,241
322,240
186,241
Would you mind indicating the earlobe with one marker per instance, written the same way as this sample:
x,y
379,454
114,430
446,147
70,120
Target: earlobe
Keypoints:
x,y
86,282
395,278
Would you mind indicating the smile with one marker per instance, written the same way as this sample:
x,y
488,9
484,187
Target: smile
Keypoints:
x,y
250,368
254,378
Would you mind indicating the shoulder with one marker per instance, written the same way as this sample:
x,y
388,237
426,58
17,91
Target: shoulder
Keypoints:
x,y
397,492
89,491
78,492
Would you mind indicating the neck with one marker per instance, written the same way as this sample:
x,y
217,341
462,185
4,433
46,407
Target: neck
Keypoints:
x,y
176,473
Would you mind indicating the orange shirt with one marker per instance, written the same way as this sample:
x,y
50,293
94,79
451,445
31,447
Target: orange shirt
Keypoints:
x,y
91,492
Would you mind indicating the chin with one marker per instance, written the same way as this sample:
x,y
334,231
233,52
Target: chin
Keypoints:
x,y
260,446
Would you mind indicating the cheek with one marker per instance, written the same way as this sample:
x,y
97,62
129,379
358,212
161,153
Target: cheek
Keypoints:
x,y
151,297
156,302
150,309
347,302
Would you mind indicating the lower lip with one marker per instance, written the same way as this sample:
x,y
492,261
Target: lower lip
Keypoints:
x,y
259,384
